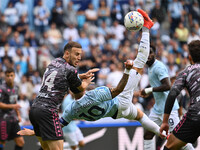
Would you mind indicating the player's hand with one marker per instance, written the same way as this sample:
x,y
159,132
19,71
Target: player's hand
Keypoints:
x,y
143,94
88,74
16,106
89,80
26,131
164,127
128,64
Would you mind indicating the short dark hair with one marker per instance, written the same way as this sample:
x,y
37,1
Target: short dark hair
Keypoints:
x,y
194,50
70,45
152,47
9,70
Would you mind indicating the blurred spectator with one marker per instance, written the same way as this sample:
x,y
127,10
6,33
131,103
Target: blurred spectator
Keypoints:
x,y
85,43
71,33
22,9
114,42
36,79
118,30
116,12
44,39
32,40
114,75
155,30
175,10
194,14
54,35
175,48
193,36
57,14
11,15
24,110
70,14
18,73
81,19
5,30
26,87
91,14
20,59
197,28
104,29
158,12
131,5
103,13
41,20
102,74
22,26
17,40
181,33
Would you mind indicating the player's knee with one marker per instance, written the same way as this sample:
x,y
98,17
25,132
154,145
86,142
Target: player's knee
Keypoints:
x,y
74,147
20,142
81,144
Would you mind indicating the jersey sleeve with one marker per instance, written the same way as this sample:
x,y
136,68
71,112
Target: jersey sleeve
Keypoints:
x,y
180,81
1,94
161,72
103,93
74,80
178,85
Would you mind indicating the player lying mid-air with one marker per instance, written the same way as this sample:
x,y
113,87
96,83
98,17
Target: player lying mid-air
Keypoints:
x,y
114,102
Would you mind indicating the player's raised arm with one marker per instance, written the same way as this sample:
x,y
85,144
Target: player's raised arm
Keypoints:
x,y
122,83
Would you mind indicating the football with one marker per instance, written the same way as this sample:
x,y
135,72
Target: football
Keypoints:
x,y
133,21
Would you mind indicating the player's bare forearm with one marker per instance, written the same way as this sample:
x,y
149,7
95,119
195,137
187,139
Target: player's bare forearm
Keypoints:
x,y
122,83
9,106
120,87
165,86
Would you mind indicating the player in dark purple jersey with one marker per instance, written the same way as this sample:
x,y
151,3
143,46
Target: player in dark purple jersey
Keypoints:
x,y
59,76
187,131
9,111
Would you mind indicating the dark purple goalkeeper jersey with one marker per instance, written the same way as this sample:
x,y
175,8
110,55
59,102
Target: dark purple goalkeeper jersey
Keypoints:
x,y
57,79
8,96
189,78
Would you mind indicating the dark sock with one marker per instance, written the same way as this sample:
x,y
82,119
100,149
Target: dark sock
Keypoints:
x,y
18,147
165,148
1,146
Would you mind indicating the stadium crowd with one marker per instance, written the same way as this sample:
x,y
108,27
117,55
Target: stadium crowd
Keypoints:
x,y
33,32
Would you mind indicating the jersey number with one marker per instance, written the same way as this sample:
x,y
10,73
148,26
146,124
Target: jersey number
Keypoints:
x,y
49,81
92,114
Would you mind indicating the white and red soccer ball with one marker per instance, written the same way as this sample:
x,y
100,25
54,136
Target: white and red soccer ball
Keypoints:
x,y
133,21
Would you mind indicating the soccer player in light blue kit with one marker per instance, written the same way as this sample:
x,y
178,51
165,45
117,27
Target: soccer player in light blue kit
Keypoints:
x,y
104,102
72,133
160,86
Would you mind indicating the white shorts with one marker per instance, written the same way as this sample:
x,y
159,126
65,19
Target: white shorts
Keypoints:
x,y
126,95
173,119
126,108
73,138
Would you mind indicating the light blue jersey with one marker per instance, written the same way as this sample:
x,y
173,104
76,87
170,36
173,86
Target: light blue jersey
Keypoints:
x,y
94,105
156,73
71,127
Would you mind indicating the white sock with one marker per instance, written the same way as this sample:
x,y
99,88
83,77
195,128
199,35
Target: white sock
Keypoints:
x,y
143,51
189,146
149,125
149,144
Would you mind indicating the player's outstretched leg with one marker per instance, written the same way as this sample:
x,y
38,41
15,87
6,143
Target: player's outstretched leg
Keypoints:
x,y
144,47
